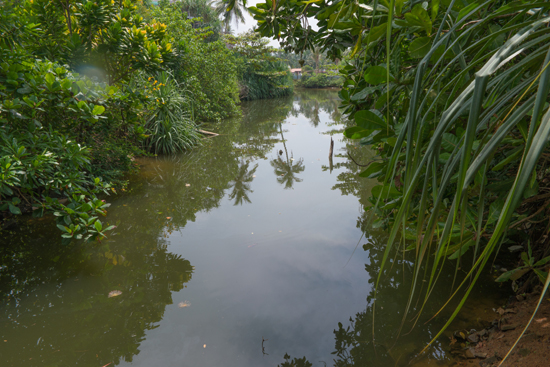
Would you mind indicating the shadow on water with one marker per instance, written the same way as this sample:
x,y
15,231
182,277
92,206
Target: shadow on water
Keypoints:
x,y
97,305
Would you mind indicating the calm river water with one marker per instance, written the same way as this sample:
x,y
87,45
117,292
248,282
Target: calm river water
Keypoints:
x,y
245,249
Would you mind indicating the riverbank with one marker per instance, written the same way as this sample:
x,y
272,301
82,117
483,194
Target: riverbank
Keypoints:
x,y
488,346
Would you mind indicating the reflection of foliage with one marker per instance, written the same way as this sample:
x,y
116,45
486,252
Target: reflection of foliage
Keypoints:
x,y
296,362
182,185
312,103
67,289
241,183
63,290
354,342
349,182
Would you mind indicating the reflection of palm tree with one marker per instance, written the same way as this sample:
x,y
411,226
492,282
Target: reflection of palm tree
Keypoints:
x,y
241,183
286,171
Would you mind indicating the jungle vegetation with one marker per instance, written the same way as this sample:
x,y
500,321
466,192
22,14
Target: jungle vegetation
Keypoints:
x,y
453,96
86,86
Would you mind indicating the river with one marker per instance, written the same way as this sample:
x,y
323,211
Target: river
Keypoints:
x,y
252,246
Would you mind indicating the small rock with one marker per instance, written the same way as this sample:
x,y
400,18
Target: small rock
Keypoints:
x,y
470,353
520,297
473,338
489,361
482,333
508,327
481,355
502,311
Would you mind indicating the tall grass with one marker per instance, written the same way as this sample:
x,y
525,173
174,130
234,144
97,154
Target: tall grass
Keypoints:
x,y
472,101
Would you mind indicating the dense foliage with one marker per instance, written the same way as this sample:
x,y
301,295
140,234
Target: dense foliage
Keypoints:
x,y
261,74
66,136
454,97
328,79
204,69
85,86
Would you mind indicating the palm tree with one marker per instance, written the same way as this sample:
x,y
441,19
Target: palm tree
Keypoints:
x,y
234,14
286,170
241,183
315,57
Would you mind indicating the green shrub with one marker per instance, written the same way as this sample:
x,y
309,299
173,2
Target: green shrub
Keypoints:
x,y
261,75
38,172
205,70
320,80
169,125
272,80
66,137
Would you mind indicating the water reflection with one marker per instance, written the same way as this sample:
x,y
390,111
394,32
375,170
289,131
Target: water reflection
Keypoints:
x,y
270,261
314,102
287,170
397,341
241,184
58,310
56,307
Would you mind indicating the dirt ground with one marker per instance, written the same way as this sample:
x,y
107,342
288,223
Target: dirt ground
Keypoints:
x,y
487,347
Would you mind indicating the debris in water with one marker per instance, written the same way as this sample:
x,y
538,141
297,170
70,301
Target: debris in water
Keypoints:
x,y
187,185
204,346
184,304
114,293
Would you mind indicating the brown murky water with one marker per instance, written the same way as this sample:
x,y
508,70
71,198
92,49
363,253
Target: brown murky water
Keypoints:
x,y
245,249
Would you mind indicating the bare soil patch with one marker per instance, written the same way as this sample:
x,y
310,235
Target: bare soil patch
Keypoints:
x,y
487,347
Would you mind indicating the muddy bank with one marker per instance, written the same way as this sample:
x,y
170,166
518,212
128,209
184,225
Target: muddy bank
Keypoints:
x,y
487,346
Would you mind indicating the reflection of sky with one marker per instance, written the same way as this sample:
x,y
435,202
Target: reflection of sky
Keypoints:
x,y
271,269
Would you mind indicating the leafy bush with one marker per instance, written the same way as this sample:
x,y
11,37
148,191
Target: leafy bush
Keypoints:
x,y
205,70
108,37
271,80
320,80
261,75
58,127
36,170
